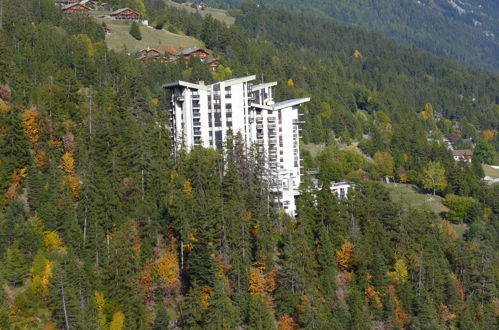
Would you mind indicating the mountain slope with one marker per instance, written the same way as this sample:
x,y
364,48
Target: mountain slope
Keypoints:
x,y
465,30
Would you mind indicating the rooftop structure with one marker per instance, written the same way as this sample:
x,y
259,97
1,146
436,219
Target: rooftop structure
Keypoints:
x,y
462,155
125,14
203,115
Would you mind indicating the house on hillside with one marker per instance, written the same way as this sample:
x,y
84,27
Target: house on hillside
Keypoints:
x,y
125,14
149,53
214,63
462,155
89,3
75,8
194,51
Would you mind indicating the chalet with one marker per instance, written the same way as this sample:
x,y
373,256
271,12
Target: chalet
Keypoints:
x,y
213,63
462,155
75,8
194,51
125,14
149,53
89,3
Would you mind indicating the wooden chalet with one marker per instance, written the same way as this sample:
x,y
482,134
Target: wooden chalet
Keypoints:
x,y
89,3
125,14
214,63
75,8
149,53
194,51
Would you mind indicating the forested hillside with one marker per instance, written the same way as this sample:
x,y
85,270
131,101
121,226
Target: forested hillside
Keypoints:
x,y
465,30
101,228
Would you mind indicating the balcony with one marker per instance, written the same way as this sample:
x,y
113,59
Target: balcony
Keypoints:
x,y
259,126
273,141
271,126
271,119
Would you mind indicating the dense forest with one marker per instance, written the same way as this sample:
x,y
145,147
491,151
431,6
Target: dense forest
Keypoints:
x,y
463,30
101,228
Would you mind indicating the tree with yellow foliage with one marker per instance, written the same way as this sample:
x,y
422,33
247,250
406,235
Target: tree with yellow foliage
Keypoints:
x,y
344,256
168,270
52,241
100,302
68,163
30,124
118,321
488,134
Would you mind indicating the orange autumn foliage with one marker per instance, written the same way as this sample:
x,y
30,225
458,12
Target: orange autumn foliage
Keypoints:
x,y
30,124
261,283
286,322
257,281
74,184
205,295
488,134
458,285
15,183
171,50
344,256
146,282
68,163
401,317
372,295
447,229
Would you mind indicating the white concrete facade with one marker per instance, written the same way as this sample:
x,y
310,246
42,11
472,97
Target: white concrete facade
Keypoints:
x,y
202,115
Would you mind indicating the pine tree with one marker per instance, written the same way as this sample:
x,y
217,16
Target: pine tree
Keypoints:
x,y
135,31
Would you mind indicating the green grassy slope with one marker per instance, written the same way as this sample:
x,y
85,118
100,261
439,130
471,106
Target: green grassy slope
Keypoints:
x,y
120,38
219,14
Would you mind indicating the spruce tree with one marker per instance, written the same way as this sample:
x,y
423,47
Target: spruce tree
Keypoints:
x,y
135,31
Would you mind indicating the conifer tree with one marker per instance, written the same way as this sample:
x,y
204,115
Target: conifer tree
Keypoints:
x,y
135,31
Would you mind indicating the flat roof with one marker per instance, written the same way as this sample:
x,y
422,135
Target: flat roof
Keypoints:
x,y
239,80
264,85
261,106
290,103
185,84
281,105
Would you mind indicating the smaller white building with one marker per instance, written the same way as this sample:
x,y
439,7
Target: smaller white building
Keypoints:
x,y
340,189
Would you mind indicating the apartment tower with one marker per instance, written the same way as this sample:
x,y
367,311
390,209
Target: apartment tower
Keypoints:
x,y
202,115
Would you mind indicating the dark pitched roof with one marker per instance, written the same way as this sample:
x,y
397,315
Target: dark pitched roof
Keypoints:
x,y
117,11
191,50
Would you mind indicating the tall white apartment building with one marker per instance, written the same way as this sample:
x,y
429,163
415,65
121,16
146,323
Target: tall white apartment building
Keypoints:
x,y
202,115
